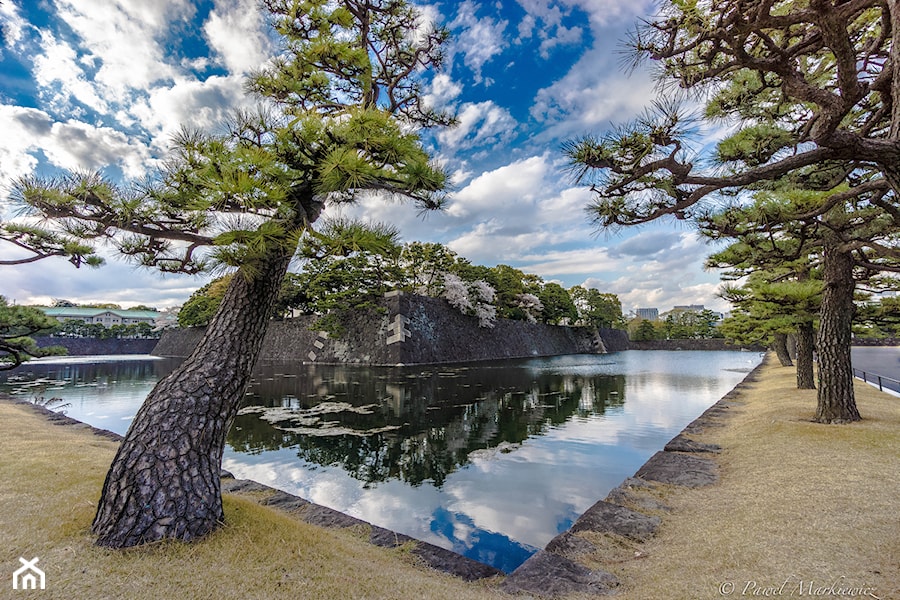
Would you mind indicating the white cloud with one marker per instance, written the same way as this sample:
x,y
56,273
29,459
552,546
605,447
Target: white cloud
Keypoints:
x,y
491,242
601,13
591,96
526,27
78,146
115,281
121,66
195,103
69,145
480,124
125,40
235,32
549,13
442,91
564,37
513,187
478,40
22,129
516,211
643,275
59,64
11,24
595,92
578,262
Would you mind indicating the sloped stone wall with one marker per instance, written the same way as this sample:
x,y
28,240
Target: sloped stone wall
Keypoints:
x,y
96,346
409,329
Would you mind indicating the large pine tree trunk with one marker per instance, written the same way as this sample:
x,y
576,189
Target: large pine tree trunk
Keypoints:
x,y
779,344
806,342
836,400
164,481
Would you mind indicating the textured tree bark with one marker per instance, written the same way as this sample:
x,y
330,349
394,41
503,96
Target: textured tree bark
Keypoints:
x,y
806,342
779,344
836,400
164,481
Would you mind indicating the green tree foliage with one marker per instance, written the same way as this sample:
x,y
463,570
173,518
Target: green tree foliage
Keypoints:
x,y
78,328
878,319
559,308
783,262
17,325
814,90
349,266
203,304
292,297
509,283
691,325
424,266
597,309
37,243
646,331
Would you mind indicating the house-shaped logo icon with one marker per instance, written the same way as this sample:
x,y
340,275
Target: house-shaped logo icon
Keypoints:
x,y
28,577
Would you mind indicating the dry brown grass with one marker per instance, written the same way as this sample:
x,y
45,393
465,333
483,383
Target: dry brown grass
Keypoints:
x,y
796,502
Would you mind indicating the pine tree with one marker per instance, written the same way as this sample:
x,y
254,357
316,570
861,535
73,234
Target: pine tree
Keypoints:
x,y
340,105
814,90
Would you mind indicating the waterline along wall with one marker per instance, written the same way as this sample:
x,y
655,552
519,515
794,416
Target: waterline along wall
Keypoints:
x,y
411,329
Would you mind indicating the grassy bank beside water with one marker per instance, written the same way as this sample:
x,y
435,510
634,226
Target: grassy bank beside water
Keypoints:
x,y
800,508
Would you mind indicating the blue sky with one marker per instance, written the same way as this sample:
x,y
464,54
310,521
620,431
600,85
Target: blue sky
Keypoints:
x,y
103,84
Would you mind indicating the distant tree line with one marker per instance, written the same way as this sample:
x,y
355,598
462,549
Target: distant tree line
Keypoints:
x,y
350,266
78,328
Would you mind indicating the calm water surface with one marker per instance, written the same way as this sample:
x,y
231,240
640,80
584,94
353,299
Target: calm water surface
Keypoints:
x,y
490,460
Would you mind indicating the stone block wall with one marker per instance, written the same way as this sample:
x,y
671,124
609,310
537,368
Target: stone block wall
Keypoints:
x,y
410,329
96,346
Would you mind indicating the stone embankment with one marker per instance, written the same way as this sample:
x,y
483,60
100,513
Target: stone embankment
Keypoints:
x,y
409,329
97,346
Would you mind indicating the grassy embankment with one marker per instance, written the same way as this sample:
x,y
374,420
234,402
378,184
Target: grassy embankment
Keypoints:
x,y
797,502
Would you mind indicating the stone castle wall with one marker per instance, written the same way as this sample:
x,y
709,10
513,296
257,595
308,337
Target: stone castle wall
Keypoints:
x,y
96,346
412,329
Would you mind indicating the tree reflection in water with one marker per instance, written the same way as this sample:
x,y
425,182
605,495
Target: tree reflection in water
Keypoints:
x,y
412,424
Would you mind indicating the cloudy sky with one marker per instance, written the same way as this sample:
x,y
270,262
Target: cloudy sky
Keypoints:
x,y
103,84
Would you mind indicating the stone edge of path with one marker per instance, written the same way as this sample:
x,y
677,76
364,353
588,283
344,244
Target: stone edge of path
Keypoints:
x,y
626,514
552,571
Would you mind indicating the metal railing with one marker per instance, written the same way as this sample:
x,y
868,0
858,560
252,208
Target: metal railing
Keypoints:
x,y
880,380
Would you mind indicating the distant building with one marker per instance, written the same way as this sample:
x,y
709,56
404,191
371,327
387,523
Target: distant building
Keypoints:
x,y
689,308
648,314
104,316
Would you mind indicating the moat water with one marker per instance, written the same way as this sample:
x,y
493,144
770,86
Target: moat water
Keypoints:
x,y
491,460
